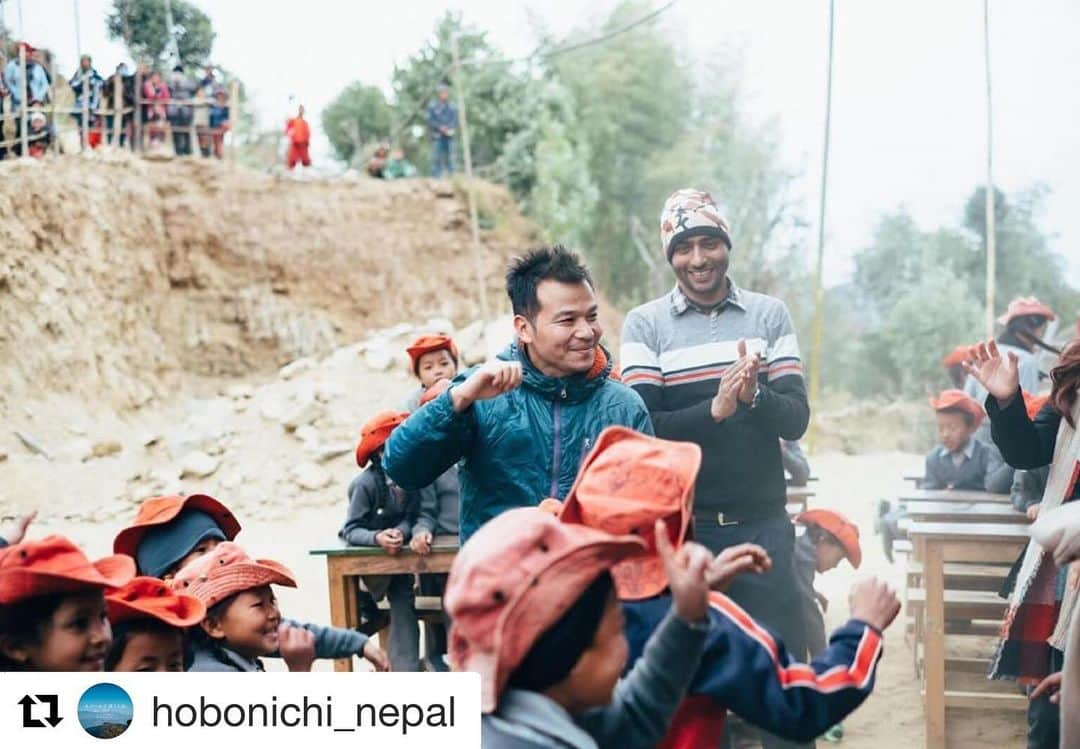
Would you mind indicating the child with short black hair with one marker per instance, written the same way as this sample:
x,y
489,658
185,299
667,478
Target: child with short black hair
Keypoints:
x,y
52,606
148,623
242,622
383,514
535,613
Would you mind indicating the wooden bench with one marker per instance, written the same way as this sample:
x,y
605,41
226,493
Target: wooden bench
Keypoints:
x,y
345,564
964,512
951,495
959,576
935,544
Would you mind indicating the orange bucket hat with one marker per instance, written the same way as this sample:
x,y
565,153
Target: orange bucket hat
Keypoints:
x,y
512,581
958,355
56,565
425,344
150,598
226,570
845,531
627,483
958,400
1026,305
161,510
375,432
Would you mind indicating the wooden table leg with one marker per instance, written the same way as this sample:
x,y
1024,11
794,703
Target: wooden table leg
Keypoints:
x,y
934,647
339,605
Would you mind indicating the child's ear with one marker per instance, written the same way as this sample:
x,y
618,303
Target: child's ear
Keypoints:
x,y
212,627
14,651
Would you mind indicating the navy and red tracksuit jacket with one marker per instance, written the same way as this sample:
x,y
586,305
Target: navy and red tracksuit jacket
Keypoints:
x,y
746,669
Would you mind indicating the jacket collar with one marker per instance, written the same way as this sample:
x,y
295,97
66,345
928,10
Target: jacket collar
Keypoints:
x,y
533,715
680,303
572,389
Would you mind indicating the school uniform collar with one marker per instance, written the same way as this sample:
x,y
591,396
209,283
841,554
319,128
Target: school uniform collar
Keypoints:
x,y
680,303
968,451
537,714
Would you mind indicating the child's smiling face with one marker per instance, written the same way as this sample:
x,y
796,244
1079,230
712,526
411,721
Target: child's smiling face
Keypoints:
x,y
249,624
434,366
77,637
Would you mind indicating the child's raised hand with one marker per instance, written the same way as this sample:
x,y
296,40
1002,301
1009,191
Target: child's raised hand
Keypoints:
x,y
998,374
297,647
376,656
16,536
685,569
874,602
734,561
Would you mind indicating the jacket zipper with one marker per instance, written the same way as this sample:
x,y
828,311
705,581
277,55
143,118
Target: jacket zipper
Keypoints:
x,y
556,413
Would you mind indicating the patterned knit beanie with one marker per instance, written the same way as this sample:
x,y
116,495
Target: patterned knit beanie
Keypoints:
x,y
691,213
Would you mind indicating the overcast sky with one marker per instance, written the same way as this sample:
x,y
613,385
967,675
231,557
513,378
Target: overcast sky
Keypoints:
x,y
908,123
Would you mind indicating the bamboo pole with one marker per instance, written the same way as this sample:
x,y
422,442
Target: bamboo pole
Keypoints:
x,y
118,108
474,220
991,229
84,123
234,117
136,118
23,122
819,288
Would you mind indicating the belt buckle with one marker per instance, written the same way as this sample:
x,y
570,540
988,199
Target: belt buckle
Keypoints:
x,y
720,520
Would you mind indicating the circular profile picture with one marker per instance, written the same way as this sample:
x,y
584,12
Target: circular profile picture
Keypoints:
x,y
105,711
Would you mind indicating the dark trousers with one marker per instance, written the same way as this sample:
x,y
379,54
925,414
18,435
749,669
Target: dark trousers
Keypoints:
x,y
772,599
1043,716
442,157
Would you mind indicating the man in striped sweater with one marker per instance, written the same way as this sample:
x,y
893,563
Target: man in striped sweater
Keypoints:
x,y
719,366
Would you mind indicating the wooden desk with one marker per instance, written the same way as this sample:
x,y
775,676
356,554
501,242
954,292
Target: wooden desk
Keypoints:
x,y
935,544
964,512
952,495
344,564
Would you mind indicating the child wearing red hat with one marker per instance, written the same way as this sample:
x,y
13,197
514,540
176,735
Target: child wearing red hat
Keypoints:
x,y
828,540
381,513
52,606
1025,322
960,460
534,612
148,623
629,481
171,531
242,622
434,360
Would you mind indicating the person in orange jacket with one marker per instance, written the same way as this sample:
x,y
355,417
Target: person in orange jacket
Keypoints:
x,y
299,134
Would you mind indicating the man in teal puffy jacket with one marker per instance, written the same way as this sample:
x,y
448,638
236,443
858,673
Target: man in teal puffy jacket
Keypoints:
x,y
522,423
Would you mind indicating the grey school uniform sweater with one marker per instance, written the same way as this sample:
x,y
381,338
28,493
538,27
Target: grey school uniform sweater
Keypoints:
x,y
980,468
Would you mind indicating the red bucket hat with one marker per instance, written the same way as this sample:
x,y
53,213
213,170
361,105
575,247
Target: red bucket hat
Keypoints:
x,y
845,531
958,355
953,399
56,565
162,510
150,598
1026,305
425,344
376,432
227,570
514,579
627,483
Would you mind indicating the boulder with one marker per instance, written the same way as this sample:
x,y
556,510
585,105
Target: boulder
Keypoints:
x,y
305,411
310,476
198,465
295,368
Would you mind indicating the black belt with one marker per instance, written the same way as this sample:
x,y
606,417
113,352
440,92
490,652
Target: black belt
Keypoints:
x,y
739,516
